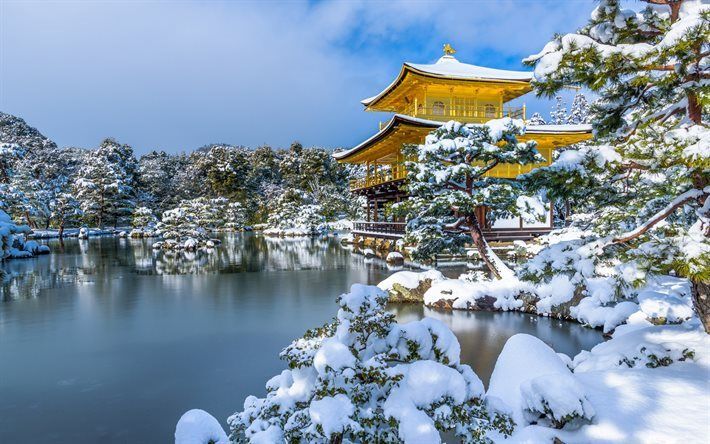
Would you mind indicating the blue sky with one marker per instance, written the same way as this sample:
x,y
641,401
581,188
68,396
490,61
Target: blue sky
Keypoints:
x,y
176,75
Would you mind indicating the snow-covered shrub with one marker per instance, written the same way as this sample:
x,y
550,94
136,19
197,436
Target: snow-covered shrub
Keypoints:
x,y
12,243
199,427
296,214
530,381
556,398
143,217
365,378
234,216
652,346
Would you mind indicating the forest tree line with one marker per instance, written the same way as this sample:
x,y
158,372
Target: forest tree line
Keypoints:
x,y
46,186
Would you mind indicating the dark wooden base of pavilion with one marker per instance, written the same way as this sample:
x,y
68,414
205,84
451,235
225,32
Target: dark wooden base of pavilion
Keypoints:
x,y
376,226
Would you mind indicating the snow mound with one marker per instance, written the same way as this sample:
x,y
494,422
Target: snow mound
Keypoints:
x,y
523,359
199,427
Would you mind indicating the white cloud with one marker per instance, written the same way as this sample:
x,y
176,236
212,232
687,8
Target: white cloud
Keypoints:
x,y
176,75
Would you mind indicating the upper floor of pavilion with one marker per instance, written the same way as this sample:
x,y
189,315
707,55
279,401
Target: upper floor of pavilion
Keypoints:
x,y
452,90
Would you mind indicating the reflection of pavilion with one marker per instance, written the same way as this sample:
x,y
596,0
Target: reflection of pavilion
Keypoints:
x,y
422,97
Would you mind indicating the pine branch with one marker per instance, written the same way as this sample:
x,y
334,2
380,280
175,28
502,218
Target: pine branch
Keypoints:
x,y
679,201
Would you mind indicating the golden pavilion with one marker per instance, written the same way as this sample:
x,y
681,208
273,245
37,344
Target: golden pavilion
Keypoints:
x,y
422,98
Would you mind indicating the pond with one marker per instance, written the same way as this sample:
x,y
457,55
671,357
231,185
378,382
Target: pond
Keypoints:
x,y
107,341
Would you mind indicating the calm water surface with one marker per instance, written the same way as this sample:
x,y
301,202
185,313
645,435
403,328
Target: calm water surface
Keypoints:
x,y
106,341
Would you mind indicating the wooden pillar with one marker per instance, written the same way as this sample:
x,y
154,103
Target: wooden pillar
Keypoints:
x,y
368,208
376,210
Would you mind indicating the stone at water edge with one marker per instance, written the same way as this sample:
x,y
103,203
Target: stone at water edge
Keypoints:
x,y
368,253
410,286
394,258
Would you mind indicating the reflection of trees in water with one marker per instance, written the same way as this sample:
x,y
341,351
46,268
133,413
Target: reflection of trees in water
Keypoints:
x,y
108,257
26,278
244,253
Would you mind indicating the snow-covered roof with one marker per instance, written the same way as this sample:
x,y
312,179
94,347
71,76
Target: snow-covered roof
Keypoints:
x,y
449,67
402,118
578,128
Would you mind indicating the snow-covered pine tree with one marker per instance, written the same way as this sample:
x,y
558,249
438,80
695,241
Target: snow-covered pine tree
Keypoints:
x,y
650,70
234,216
296,212
226,169
536,119
65,211
558,114
105,183
447,182
579,111
365,378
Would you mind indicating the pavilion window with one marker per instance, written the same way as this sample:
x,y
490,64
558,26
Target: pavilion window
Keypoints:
x,y
490,111
438,108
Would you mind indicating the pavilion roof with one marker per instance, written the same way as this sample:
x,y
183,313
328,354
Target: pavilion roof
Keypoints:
x,y
449,68
557,135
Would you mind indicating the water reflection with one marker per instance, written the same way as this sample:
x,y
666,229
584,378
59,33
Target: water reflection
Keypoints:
x,y
81,261
108,341
483,334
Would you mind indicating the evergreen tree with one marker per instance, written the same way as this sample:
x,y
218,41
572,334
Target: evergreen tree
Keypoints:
x,y
66,211
364,370
558,114
447,182
105,183
649,69
579,112
536,119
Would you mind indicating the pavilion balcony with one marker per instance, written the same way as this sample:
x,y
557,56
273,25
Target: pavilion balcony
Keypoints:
x,y
465,113
378,178
395,230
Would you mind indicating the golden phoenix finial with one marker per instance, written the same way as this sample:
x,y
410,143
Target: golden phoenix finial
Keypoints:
x,y
448,50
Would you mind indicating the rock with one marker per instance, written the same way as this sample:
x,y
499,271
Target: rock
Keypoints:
x,y
562,311
401,293
368,253
394,258
529,300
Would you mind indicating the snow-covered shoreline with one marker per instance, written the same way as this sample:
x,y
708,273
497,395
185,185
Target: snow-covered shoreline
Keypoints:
x,y
665,299
647,383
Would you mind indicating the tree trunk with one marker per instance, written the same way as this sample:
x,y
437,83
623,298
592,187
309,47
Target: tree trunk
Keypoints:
x,y
493,262
701,301
61,230
695,110
29,220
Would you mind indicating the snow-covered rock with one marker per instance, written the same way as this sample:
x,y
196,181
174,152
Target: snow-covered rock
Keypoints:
x,y
410,286
394,258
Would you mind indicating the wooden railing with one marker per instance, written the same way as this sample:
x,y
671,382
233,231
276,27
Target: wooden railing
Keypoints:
x,y
468,114
380,227
397,172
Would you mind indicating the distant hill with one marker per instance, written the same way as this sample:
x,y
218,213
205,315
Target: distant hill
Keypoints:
x,y
15,130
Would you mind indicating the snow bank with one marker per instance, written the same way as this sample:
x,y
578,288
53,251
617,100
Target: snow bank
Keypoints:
x,y
199,427
652,346
465,295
